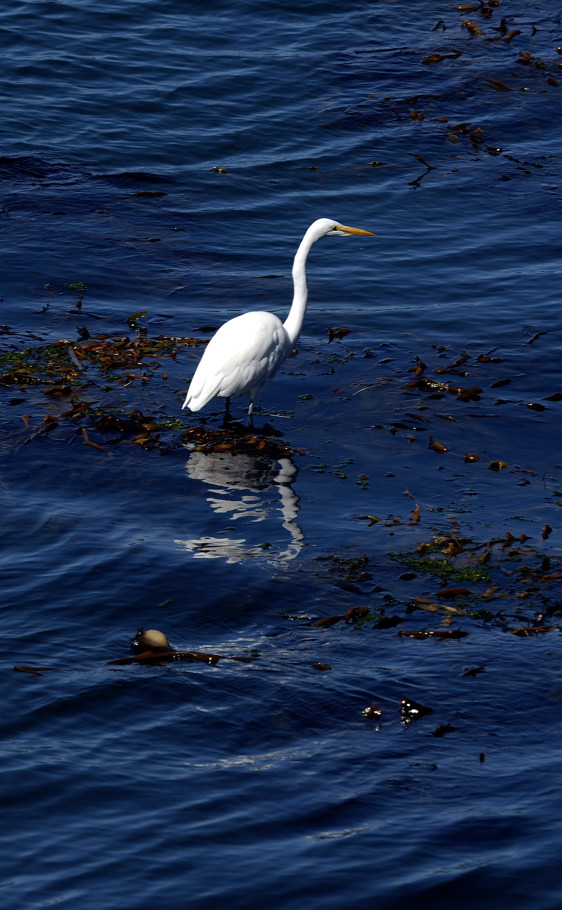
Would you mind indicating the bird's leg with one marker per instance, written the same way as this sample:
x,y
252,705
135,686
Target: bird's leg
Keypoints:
x,y
226,420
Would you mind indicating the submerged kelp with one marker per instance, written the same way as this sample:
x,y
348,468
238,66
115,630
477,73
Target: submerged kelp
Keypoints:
x,y
65,360
472,54
505,583
89,382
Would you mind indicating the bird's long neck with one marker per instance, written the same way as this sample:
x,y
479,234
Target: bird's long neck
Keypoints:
x,y
293,322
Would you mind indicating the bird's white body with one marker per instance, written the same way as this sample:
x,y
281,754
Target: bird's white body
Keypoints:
x,y
240,357
249,349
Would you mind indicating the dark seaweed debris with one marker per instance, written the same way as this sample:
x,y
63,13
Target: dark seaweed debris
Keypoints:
x,y
92,383
504,583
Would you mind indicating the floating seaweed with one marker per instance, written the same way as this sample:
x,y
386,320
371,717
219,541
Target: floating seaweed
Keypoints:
x,y
506,583
152,648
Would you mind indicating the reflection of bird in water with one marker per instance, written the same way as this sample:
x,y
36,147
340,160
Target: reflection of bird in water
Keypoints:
x,y
232,470
237,483
249,349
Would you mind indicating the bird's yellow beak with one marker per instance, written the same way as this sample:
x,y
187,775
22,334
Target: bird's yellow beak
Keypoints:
x,y
352,230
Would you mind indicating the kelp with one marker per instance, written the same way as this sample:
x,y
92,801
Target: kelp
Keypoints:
x,y
505,583
151,655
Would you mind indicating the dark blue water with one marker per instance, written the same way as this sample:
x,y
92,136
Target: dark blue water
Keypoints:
x,y
166,158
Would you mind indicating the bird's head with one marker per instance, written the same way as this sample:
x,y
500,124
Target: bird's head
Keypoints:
x,y
326,227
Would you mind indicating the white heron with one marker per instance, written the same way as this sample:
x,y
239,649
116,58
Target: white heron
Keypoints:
x,y
249,349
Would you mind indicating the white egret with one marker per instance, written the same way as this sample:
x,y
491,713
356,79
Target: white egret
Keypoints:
x,y
249,349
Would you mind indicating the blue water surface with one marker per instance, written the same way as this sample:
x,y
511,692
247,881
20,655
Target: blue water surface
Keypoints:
x,y
165,158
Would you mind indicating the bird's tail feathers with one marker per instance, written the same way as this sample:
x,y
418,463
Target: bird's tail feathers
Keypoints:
x,y
197,398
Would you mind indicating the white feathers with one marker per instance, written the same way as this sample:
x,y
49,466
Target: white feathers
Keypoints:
x,y
243,353
249,349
